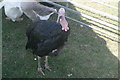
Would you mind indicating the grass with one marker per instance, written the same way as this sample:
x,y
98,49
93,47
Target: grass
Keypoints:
x,y
86,54
1,44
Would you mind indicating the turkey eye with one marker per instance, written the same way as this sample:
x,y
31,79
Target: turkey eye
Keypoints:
x,y
60,17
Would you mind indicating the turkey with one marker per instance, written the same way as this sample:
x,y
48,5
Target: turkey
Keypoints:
x,y
31,8
46,37
12,9
35,11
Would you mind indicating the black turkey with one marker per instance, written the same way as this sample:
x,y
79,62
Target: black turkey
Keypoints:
x,y
47,37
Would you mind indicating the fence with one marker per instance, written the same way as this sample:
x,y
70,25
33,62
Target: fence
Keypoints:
x,y
107,32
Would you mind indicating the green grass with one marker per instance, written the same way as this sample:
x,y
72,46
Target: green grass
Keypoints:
x,y
0,44
86,55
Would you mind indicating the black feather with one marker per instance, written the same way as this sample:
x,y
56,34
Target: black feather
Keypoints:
x,y
45,36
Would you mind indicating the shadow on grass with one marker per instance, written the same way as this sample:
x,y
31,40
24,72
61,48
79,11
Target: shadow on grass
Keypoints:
x,y
85,55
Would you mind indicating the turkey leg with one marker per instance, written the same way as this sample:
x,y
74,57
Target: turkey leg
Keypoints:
x,y
39,66
46,63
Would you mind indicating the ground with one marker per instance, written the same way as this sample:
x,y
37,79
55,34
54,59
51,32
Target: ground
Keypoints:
x,y
86,55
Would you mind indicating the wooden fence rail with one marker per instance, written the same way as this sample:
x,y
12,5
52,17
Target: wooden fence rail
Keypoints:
x,y
106,5
95,11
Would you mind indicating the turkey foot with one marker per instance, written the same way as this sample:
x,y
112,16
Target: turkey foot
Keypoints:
x,y
7,18
39,66
46,63
19,19
39,69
